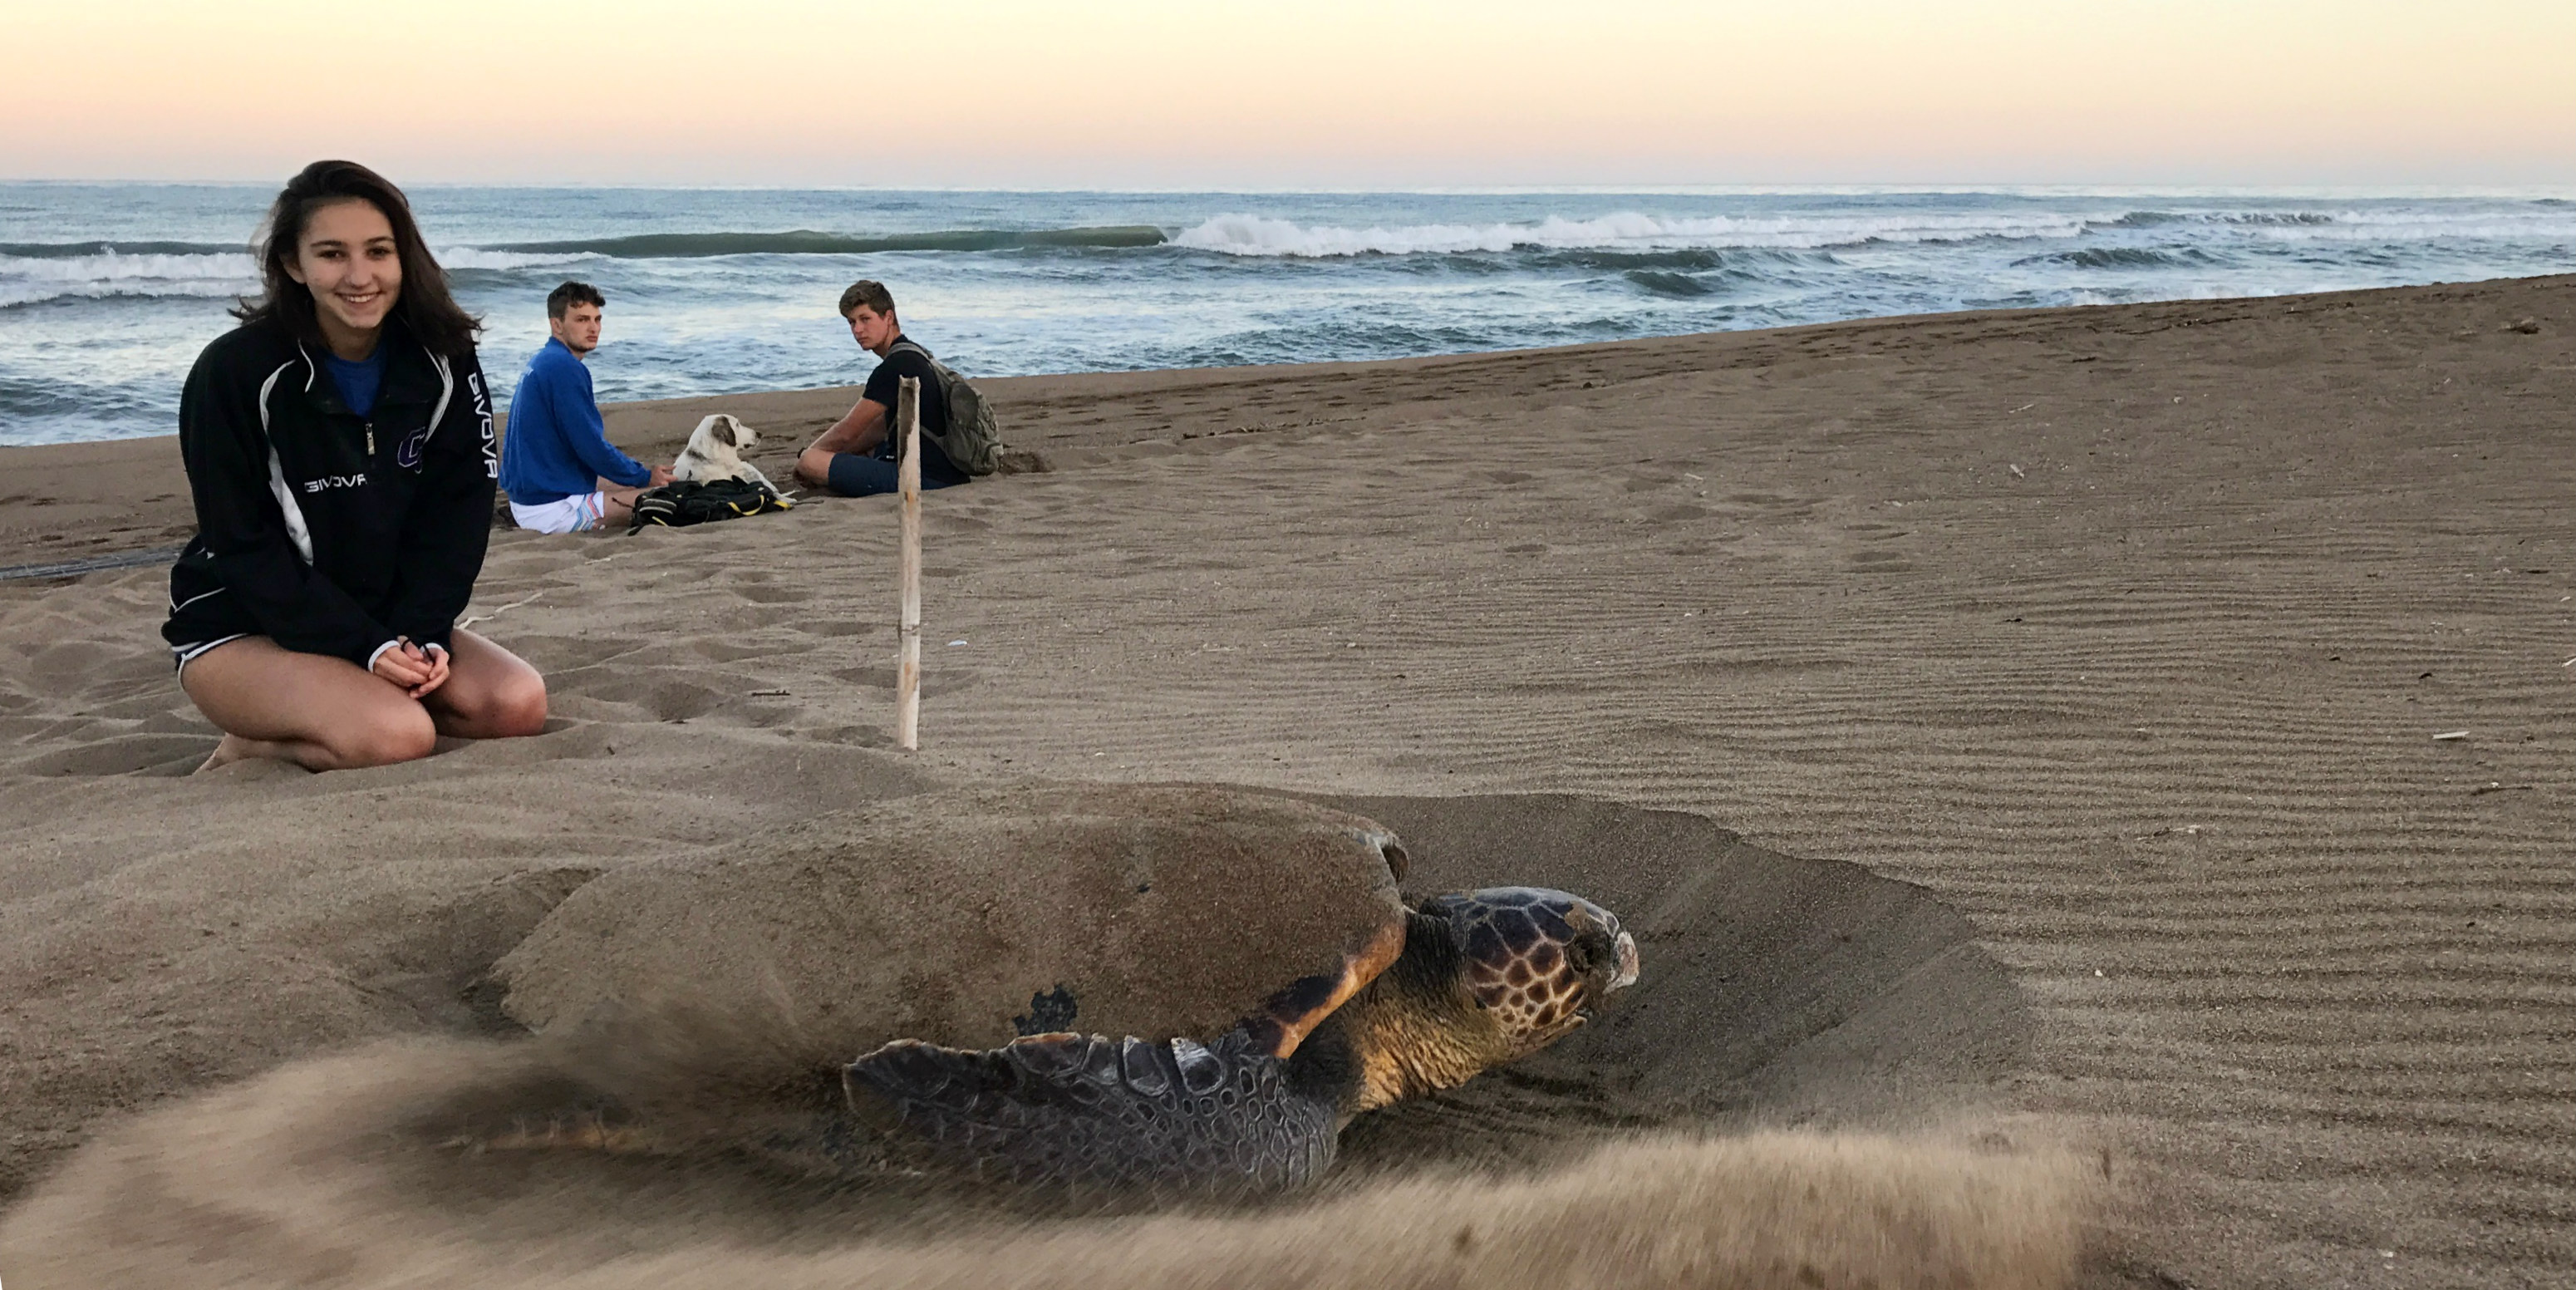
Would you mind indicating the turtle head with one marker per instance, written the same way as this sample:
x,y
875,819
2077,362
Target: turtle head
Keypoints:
x,y
1536,961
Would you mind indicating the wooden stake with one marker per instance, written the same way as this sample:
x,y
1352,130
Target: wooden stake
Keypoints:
x,y
907,679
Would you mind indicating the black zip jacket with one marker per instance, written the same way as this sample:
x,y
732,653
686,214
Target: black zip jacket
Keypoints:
x,y
325,531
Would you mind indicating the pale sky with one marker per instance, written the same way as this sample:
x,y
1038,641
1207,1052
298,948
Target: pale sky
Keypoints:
x,y
1298,93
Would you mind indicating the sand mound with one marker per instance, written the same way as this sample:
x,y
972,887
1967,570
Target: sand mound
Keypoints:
x,y
968,917
329,1173
1774,990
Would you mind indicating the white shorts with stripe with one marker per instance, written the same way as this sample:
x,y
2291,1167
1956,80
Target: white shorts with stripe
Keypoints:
x,y
577,513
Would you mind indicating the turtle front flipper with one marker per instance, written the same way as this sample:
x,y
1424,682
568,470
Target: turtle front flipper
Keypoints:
x,y
1066,1110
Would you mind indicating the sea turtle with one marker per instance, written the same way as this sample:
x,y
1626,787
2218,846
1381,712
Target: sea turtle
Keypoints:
x,y
1456,984
1206,984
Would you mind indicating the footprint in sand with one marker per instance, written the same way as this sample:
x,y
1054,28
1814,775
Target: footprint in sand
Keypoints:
x,y
553,654
652,698
154,702
84,668
840,627
850,736
943,680
562,739
729,651
137,754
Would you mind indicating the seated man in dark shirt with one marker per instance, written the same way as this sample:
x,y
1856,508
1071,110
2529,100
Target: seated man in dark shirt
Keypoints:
x,y
856,456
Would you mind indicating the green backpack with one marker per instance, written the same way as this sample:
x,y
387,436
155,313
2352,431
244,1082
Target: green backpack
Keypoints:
x,y
972,442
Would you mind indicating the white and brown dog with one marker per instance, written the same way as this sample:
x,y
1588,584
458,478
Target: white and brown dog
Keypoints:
x,y
715,452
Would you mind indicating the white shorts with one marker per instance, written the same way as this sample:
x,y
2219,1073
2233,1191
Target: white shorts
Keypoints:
x,y
573,514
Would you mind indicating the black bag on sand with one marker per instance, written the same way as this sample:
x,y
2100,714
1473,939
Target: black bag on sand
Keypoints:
x,y
688,501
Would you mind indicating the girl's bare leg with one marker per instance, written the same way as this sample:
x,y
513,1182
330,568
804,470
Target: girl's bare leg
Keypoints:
x,y
321,713
325,713
490,693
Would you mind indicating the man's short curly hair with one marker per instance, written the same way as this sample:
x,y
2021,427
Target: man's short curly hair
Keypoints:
x,y
869,292
561,300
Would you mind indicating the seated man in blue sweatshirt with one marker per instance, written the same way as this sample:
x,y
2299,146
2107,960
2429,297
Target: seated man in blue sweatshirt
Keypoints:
x,y
557,465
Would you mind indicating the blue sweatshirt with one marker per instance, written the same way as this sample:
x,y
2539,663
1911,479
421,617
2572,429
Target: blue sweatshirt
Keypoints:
x,y
556,446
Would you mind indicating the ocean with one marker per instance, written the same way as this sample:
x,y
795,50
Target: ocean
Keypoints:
x,y
107,292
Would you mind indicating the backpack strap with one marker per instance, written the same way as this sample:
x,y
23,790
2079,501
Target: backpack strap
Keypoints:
x,y
938,377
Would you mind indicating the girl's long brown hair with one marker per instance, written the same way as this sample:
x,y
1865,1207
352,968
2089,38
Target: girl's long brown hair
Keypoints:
x,y
424,305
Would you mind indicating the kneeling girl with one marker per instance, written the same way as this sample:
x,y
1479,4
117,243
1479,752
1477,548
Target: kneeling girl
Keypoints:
x,y
339,447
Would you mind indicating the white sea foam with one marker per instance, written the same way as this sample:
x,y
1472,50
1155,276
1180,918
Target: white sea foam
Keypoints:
x,y
1257,235
2396,225
1242,234
2418,226
26,281
475,257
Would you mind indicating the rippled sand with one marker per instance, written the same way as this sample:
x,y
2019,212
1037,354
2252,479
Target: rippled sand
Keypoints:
x,y
2123,634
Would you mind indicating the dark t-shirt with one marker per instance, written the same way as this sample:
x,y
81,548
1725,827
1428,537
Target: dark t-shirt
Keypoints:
x,y
902,361
357,381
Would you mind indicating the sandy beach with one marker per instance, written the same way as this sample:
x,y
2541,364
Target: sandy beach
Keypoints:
x,y
2093,786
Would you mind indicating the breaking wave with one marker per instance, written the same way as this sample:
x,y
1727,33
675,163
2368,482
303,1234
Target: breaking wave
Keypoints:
x,y
1257,235
78,250
479,257
2399,225
2155,219
36,273
1665,283
104,274
808,242
2118,257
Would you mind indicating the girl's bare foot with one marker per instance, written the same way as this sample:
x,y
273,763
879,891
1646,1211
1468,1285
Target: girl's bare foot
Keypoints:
x,y
235,748
226,753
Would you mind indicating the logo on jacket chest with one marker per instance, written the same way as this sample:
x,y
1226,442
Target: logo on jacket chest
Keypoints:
x,y
329,482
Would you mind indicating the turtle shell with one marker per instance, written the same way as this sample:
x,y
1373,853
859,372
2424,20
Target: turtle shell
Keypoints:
x,y
967,918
